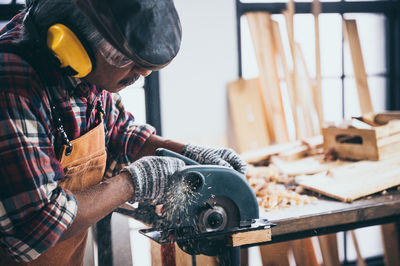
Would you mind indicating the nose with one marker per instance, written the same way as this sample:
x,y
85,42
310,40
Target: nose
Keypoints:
x,y
141,71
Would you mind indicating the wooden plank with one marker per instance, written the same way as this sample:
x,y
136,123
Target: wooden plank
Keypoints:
x,y
249,237
360,259
391,246
288,76
316,10
329,250
352,38
155,250
303,251
356,180
305,92
276,254
184,259
260,25
289,17
306,166
249,123
290,150
383,118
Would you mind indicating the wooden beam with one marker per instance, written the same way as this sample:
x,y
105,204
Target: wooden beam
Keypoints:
x,y
275,254
360,259
352,38
260,25
316,9
302,84
287,73
329,250
391,244
305,92
303,251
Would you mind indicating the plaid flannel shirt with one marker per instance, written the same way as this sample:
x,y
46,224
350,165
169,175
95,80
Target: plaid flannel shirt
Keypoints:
x,y
34,210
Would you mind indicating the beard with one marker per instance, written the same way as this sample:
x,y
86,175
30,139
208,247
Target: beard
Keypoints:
x,y
129,81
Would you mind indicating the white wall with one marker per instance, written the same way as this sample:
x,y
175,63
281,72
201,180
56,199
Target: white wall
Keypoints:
x,y
193,87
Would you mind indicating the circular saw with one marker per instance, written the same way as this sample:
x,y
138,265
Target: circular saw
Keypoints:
x,y
207,206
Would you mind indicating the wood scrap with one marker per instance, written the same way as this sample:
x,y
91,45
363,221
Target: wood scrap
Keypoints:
x,y
306,166
260,25
383,118
354,180
289,151
352,38
249,237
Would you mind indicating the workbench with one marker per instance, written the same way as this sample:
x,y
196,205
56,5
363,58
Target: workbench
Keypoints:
x,y
325,216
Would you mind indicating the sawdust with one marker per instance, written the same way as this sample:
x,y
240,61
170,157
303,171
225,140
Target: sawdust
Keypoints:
x,y
274,190
177,201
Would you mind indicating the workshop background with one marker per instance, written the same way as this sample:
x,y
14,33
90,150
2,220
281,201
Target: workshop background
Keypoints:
x,y
191,99
194,98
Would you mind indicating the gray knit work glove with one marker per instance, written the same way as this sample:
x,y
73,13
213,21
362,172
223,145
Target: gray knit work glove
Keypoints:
x,y
220,156
151,177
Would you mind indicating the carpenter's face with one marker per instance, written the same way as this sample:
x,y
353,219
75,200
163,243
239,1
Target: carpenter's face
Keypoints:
x,y
114,79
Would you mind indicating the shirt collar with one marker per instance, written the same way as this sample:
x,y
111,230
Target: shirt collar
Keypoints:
x,y
80,87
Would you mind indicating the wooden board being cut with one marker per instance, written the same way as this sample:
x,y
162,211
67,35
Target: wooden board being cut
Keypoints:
x,y
355,180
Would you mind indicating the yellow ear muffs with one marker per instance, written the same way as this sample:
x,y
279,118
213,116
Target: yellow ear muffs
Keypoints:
x,y
69,50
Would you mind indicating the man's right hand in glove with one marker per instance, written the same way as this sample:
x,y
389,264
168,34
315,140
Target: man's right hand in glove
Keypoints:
x,y
151,177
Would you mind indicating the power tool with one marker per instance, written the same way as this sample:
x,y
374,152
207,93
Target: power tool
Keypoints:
x,y
206,205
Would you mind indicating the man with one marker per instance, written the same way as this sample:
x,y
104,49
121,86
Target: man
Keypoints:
x,y
69,152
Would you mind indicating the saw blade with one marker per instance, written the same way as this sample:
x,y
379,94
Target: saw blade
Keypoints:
x,y
220,213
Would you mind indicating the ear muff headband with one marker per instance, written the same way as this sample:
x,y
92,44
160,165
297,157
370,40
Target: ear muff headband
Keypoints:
x,y
69,50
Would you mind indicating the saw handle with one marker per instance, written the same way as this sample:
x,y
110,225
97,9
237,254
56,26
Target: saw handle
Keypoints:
x,y
168,153
194,180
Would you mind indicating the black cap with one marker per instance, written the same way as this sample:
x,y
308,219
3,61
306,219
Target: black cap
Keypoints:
x,y
147,31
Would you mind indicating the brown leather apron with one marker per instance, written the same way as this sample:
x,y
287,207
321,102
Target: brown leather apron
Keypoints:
x,y
83,168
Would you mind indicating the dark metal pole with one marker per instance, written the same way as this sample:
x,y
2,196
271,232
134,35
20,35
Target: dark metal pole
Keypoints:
x,y
230,257
239,37
393,58
103,239
152,101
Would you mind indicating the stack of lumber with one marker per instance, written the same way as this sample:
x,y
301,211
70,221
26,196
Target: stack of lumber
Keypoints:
x,y
259,115
273,124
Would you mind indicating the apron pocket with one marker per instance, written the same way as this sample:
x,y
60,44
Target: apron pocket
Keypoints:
x,y
84,174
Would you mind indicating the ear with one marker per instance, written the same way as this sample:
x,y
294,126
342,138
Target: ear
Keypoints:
x,y
69,50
